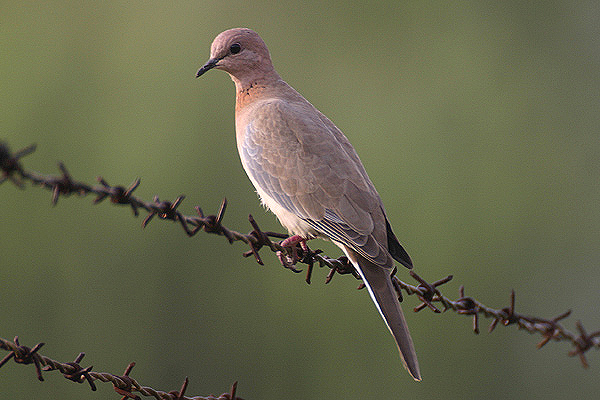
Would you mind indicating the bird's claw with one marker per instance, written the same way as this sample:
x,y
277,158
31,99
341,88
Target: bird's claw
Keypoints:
x,y
289,261
290,258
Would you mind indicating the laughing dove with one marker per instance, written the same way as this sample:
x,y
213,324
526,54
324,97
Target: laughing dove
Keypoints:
x,y
308,174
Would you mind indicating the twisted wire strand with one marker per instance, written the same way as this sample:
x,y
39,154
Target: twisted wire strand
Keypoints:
x,y
122,384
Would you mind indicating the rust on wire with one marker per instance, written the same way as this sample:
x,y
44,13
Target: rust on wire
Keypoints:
x,y
260,240
468,306
119,194
428,293
75,372
181,393
232,391
553,329
124,385
25,355
583,343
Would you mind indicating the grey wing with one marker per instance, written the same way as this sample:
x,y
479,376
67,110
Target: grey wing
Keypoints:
x,y
302,161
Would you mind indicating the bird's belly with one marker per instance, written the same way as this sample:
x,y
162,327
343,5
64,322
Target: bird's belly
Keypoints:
x,y
289,220
292,222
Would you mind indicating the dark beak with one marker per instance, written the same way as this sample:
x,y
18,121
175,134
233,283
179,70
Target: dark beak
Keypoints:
x,y
210,64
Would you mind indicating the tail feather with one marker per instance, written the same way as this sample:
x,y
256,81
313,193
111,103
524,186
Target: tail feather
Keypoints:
x,y
378,281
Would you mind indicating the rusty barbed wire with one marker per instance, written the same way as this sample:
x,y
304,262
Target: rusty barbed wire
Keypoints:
x,y
124,384
428,293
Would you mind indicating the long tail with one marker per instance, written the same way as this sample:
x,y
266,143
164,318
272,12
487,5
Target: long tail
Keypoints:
x,y
379,284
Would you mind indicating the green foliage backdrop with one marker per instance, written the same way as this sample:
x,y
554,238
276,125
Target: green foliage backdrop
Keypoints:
x,y
477,121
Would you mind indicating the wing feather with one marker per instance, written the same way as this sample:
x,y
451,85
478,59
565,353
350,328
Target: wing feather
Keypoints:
x,y
298,158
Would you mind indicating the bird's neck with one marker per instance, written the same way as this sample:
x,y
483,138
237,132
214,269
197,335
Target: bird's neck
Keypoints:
x,y
253,88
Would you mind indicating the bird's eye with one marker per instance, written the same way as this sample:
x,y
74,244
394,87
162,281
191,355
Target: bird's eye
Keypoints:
x,y
235,48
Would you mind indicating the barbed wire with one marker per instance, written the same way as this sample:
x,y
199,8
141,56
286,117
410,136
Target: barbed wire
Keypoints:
x,y
256,239
124,384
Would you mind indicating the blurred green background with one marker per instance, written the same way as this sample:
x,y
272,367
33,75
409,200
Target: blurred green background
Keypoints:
x,y
477,121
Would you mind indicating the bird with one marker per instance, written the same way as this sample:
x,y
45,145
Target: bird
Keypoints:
x,y
307,173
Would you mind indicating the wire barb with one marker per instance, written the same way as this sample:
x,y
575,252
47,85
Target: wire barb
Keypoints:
x,y
10,165
25,355
76,373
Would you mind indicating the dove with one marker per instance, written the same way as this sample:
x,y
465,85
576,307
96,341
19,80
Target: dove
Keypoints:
x,y
308,174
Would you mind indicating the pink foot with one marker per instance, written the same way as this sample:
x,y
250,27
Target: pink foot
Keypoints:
x,y
287,260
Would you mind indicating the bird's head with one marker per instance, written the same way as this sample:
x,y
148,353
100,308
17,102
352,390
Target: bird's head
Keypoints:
x,y
239,52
